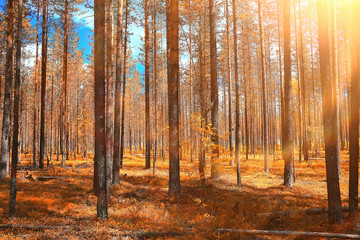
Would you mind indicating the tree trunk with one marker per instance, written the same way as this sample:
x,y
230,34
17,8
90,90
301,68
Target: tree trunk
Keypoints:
x,y
287,124
264,95
237,98
172,37
147,88
15,145
43,85
100,142
5,134
329,118
354,114
124,88
215,174
117,130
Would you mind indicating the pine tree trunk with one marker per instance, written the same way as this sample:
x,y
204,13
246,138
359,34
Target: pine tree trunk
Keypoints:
x,y
287,124
15,145
100,141
172,38
5,134
215,174
147,88
329,117
43,85
264,95
118,71
354,114
237,98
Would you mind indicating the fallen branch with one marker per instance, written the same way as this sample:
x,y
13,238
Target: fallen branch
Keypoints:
x,y
312,211
291,233
48,178
37,227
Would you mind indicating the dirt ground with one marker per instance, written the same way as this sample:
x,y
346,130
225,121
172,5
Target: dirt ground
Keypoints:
x,y
65,207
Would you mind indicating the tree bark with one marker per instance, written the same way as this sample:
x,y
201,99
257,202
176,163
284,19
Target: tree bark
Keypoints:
x,y
264,95
100,141
288,127
354,114
117,119
215,174
43,85
172,37
147,88
15,145
329,117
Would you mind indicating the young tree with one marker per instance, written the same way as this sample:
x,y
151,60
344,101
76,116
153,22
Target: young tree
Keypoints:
x,y
329,117
5,134
172,39
100,138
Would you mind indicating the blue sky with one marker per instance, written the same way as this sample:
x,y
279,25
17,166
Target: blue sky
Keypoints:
x,y
85,21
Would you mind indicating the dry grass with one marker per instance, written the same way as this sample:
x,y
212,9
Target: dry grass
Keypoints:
x,y
141,202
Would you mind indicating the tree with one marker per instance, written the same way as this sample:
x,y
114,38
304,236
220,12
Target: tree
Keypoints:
x,y
147,87
5,134
329,117
64,128
124,84
264,91
100,142
215,174
43,84
117,119
172,40
287,123
15,145
237,99
354,114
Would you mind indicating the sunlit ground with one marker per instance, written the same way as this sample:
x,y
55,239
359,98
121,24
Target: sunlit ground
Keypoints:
x,y
141,201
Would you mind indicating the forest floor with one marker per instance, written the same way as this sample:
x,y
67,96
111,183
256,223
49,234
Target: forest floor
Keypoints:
x,y
140,207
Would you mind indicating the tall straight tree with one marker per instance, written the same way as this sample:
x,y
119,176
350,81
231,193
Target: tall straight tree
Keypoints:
x,y
287,122
354,113
35,120
43,85
155,88
228,65
215,174
124,85
15,145
109,96
147,88
330,119
64,94
5,134
172,39
264,91
100,138
117,119
237,98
